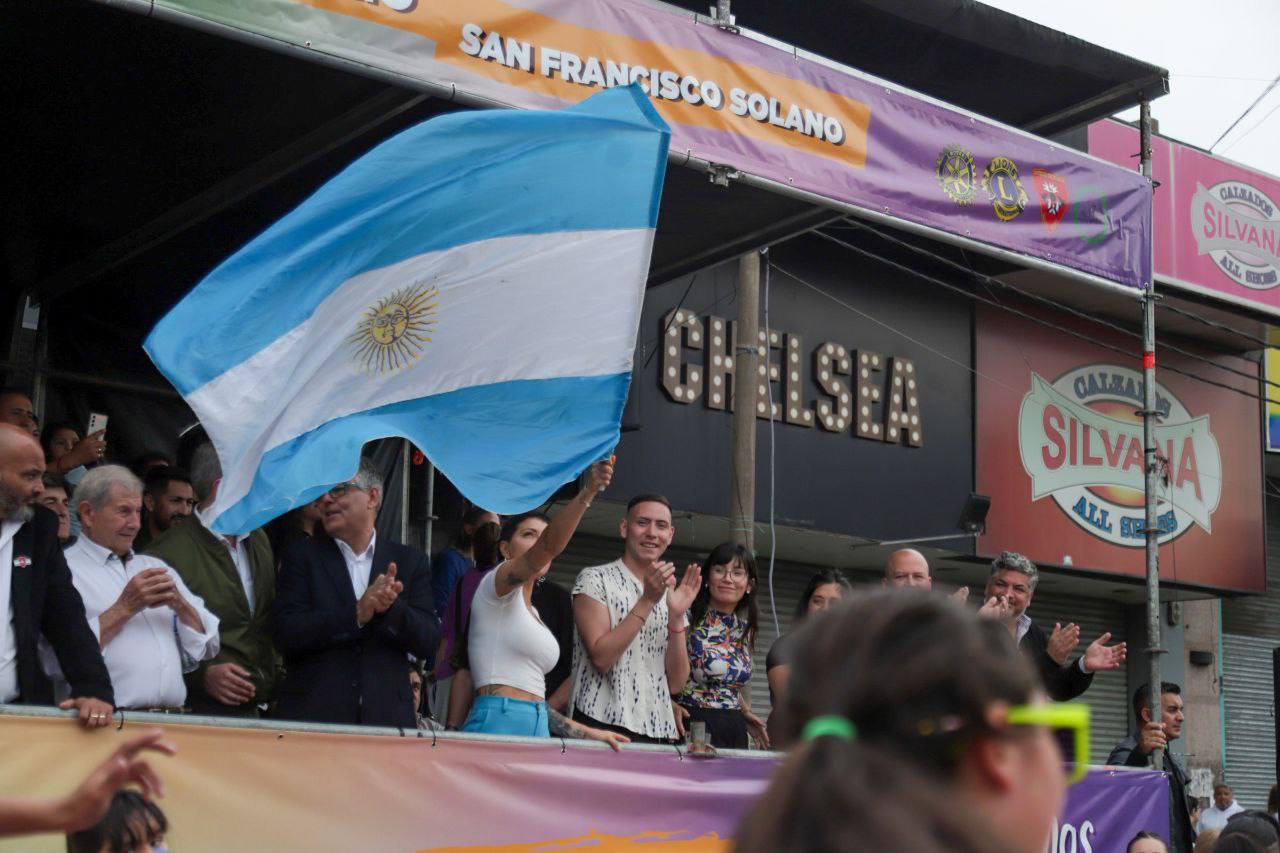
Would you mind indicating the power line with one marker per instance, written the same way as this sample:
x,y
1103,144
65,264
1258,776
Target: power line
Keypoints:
x,y
1044,300
1237,140
1214,324
1265,92
1023,314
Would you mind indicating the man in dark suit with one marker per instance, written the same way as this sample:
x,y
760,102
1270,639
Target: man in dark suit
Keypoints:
x,y
1010,588
36,587
349,611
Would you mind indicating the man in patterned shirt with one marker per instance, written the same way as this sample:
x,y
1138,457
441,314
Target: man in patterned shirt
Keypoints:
x,y
630,656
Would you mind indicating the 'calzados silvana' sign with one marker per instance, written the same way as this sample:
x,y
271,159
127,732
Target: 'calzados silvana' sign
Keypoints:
x,y
735,100
1081,445
1060,452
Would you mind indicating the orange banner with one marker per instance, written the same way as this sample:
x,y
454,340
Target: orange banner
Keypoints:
x,y
276,789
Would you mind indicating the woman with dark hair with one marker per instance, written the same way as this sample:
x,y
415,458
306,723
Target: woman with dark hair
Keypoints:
x,y
722,634
447,705
825,588
918,705
453,562
509,649
1147,842
132,824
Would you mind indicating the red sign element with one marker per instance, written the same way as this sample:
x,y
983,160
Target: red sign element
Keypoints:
x,y
1054,197
1059,451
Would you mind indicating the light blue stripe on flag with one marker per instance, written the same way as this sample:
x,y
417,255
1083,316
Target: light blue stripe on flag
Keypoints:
x,y
472,284
455,179
529,424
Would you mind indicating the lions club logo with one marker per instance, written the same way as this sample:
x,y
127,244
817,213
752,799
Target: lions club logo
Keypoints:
x,y
957,175
1238,226
1000,180
1081,445
391,333
1053,197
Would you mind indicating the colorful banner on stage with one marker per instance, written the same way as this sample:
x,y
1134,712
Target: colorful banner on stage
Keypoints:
x,y
748,103
271,790
1110,807
1217,223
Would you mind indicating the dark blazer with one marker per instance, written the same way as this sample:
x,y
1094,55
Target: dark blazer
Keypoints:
x,y
1181,830
1062,683
45,601
337,672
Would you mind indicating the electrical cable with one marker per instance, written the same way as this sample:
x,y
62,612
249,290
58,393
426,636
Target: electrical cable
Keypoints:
x,y
667,327
1026,316
1265,92
1214,324
1044,300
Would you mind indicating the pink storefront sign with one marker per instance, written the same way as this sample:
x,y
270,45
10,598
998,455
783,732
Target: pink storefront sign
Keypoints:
x,y
1216,223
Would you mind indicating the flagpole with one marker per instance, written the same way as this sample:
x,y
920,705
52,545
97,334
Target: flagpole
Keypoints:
x,y
1152,465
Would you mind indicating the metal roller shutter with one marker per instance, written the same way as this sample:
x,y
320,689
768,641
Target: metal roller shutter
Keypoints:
x,y
1250,718
1259,615
1109,697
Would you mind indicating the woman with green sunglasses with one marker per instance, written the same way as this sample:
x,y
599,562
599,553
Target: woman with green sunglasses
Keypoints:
x,y
918,726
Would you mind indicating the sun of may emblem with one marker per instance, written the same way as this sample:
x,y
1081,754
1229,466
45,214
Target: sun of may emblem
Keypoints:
x,y
392,332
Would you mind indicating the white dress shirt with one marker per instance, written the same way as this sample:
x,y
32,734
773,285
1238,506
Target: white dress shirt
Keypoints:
x,y
235,546
8,640
145,658
358,565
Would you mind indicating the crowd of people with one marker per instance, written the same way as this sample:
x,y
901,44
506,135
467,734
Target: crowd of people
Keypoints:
x,y
123,598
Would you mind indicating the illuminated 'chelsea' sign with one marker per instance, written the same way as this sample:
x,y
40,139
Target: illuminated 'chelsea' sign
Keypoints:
x,y
875,396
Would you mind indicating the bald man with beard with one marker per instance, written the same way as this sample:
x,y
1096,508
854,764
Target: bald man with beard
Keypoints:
x,y
38,597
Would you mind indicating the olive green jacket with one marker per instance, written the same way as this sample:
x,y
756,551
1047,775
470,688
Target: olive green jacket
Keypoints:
x,y
205,566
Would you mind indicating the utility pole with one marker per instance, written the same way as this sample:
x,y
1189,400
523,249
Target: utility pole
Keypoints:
x,y
742,491
1151,464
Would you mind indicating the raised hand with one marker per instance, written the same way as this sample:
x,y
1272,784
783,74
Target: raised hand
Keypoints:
x,y
1062,641
88,803
961,595
148,588
679,599
657,580
380,595
599,476
1100,657
996,607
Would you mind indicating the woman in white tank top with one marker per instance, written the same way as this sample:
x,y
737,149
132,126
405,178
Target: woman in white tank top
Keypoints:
x,y
509,650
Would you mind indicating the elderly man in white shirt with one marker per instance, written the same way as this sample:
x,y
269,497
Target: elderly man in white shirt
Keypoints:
x,y
150,626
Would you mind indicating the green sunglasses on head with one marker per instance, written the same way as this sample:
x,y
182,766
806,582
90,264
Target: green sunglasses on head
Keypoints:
x,y
1068,722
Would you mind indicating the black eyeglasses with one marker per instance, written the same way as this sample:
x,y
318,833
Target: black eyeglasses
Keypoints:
x,y
342,488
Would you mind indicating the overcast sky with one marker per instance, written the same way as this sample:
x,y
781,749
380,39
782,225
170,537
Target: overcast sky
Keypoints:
x,y
1220,54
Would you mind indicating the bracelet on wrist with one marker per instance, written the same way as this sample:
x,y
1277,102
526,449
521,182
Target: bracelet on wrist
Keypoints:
x,y
679,630
632,612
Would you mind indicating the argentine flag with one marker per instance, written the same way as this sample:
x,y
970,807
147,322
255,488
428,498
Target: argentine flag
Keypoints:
x,y
472,284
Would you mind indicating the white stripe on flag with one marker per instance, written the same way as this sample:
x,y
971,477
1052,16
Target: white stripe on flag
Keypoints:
x,y
571,322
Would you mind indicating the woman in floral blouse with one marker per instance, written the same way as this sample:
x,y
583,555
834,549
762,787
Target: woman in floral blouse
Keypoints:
x,y
722,634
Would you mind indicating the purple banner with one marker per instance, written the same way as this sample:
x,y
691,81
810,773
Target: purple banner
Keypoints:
x,y
751,104
1108,807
